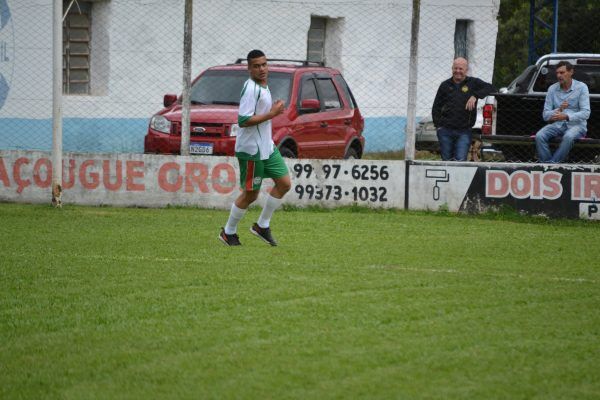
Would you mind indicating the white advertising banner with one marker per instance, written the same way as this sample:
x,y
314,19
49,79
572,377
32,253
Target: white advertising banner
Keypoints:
x,y
212,182
371,183
438,186
552,190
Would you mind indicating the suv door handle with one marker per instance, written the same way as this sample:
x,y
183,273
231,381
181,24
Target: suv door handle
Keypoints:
x,y
348,122
324,125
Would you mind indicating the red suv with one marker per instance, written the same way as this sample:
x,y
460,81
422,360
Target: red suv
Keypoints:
x,y
321,118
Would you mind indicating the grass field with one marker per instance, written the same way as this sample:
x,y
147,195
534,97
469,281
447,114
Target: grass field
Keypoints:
x,y
146,303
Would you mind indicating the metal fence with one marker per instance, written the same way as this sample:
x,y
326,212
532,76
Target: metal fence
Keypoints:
x,y
516,114
120,57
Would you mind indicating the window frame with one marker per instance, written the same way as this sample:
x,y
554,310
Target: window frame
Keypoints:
x,y
347,93
322,38
307,77
468,28
81,8
321,95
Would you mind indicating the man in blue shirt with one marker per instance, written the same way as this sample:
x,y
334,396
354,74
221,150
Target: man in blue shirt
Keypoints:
x,y
566,110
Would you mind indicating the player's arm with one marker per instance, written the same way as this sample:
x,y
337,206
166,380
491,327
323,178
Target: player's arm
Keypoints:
x,y
276,109
247,113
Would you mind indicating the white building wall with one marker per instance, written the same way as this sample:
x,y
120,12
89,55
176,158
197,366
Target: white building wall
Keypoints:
x,y
436,46
137,49
29,37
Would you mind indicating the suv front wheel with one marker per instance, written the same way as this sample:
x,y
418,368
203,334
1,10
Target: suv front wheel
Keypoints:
x,y
351,153
286,152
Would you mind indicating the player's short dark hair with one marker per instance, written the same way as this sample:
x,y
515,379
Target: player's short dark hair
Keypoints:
x,y
254,54
565,64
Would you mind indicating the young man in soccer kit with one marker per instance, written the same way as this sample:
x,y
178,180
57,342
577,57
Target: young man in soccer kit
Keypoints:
x,y
257,155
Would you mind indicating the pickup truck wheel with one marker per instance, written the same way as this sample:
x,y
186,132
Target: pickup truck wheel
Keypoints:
x,y
509,153
351,153
286,152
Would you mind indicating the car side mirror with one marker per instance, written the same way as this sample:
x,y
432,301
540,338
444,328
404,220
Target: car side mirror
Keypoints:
x,y
169,99
310,106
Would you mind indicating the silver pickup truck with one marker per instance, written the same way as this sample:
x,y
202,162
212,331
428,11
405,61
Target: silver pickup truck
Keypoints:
x,y
512,117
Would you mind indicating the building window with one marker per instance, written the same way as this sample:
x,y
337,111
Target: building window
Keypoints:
x,y
76,46
462,38
316,39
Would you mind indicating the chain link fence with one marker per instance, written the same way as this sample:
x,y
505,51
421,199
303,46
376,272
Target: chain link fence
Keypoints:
x,y
515,114
471,34
120,58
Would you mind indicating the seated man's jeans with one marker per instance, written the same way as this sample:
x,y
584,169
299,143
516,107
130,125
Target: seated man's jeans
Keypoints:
x,y
549,132
454,143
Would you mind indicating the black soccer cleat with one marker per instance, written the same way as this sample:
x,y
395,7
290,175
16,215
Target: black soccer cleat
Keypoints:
x,y
263,233
229,240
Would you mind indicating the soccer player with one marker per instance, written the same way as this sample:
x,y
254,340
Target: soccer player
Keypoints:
x,y
257,155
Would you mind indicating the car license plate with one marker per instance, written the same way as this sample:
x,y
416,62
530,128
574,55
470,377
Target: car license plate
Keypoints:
x,y
201,148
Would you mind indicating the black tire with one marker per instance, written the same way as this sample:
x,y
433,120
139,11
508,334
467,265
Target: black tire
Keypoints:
x,y
286,152
351,153
508,152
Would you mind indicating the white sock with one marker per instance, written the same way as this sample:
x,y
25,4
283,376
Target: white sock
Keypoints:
x,y
267,212
235,215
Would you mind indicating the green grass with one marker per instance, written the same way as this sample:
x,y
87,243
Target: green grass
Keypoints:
x,y
146,303
399,155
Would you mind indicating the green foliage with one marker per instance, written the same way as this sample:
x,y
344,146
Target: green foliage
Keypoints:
x,y
399,155
578,27
105,303
578,31
511,43
384,155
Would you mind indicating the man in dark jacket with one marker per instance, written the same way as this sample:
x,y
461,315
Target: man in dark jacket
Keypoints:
x,y
455,110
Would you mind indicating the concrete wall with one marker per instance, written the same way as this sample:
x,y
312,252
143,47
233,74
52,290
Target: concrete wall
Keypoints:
x,y
210,182
560,191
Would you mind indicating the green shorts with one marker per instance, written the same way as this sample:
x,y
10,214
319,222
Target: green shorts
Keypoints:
x,y
252,171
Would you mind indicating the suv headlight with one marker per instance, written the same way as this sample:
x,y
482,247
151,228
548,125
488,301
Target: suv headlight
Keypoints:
x,y
160,123
233,131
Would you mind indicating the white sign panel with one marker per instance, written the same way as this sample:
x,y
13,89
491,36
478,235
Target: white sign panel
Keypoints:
x,y
589,211
439,186
120,179
347,182
156,181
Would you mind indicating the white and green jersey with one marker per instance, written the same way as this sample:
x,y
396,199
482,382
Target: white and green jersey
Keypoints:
x,y
254,142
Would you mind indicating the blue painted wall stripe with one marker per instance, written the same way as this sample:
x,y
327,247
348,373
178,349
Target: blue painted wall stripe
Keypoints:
x,y
126,135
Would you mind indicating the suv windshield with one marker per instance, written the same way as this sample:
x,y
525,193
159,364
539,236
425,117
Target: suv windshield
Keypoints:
x,y
225,87
521,83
